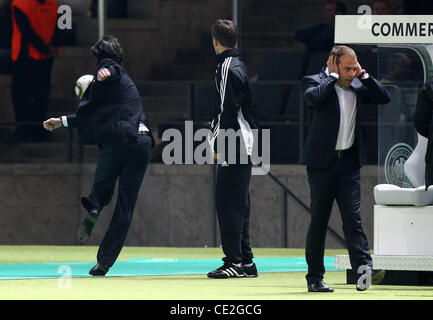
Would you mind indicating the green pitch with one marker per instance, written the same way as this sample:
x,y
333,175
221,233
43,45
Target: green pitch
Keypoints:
x,y
274,286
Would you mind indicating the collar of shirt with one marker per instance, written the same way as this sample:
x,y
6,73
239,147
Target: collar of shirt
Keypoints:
x,y
234,52
335,75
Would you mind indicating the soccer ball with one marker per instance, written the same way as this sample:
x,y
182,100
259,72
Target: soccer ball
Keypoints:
x,y
82,84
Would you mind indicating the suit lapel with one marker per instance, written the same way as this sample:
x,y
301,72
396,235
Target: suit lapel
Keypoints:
x,y
336,102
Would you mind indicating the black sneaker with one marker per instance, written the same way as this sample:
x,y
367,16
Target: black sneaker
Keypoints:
x,y
99,270
228,270
251,271
86,227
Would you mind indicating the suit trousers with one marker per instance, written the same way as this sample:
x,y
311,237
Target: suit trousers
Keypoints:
x,y
128,163
233,211
340,182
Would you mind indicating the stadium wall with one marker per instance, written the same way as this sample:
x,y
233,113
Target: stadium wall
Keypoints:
x,y
40,205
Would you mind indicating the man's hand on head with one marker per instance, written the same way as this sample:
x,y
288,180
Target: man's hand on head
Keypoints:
x,y
359,71
103,74
332,64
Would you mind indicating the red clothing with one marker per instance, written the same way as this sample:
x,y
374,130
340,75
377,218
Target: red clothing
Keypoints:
x,y
43,20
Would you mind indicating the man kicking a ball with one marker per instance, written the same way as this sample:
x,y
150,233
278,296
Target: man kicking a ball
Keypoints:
x,y
110,115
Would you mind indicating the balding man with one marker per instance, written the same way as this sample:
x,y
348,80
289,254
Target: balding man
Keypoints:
x,y
333,152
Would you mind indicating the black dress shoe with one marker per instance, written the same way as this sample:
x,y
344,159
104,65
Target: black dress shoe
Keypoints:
x,y
99,270
319,287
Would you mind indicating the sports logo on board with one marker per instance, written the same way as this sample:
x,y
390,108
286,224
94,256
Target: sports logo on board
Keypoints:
x,y
394,165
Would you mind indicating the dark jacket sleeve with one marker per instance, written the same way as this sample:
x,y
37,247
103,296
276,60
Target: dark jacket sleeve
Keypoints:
x,y
232,101
84,109
114,71
316,93
375,93
28,33
72,121
422,116
99,91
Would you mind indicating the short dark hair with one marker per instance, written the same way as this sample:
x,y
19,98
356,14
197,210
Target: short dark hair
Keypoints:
x,y
338,51
108,47
340,6
226,32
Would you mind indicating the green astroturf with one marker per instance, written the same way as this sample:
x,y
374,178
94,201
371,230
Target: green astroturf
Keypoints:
x,y
282,285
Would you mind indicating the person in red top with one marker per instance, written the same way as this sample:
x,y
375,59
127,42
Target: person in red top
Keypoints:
x,y
32,52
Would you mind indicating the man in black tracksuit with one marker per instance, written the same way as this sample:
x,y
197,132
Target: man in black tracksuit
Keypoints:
x,y
110,114
236,112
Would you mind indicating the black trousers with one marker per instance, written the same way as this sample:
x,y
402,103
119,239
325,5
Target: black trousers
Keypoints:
x,y
233,211
31,94
128,162
341,182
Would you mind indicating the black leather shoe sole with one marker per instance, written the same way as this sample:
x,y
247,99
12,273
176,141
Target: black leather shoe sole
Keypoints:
x,y
320,290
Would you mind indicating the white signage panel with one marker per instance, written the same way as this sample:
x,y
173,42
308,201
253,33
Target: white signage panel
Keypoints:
x,y
383,29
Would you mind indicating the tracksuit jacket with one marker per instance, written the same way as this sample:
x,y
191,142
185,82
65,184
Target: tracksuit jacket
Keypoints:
x,y
236,106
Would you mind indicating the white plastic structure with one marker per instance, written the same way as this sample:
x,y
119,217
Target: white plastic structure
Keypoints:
x,y
403,230
415,165
414,168
389,194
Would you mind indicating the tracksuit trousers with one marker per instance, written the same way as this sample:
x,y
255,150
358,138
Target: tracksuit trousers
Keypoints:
x,y
233,211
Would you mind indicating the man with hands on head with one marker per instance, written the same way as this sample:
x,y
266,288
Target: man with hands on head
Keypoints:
x,y
110,114
333,154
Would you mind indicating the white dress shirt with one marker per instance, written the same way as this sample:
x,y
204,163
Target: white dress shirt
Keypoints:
x,y
346,133
347,102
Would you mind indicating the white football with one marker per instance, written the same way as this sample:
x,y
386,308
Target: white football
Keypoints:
x,y
82,84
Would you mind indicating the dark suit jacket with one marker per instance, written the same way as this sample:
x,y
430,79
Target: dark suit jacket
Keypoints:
x,y
110,110
322,100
